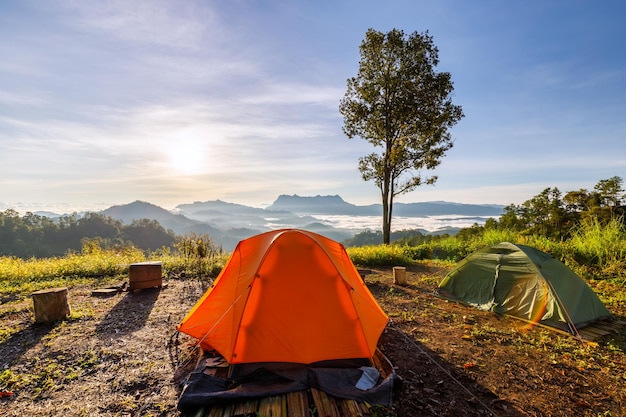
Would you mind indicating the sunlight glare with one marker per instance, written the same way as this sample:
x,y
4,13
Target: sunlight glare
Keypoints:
x,y
188,154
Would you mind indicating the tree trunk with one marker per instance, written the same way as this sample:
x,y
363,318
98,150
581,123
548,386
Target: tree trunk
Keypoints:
x,y
145,275
399,275
50,305
387,214
387,197
386,225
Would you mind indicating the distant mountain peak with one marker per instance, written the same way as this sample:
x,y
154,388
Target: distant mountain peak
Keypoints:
x,y
316,204
296,197
335,205
137,204
136,210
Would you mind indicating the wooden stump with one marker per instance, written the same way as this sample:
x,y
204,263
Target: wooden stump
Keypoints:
x,y
145,275
399,275
50,305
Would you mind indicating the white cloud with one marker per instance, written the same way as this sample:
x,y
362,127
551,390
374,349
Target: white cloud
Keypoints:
x,y
167,23
101,98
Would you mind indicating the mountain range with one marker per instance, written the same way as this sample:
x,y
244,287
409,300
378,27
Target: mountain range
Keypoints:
x,y
335,205
228,223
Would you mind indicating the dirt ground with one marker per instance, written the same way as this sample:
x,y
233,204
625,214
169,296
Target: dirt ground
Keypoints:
x,y
121,356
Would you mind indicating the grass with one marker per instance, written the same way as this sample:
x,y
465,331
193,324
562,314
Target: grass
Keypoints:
x,y
595,251
22,276
95,266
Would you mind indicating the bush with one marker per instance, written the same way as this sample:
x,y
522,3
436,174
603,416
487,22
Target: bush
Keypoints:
x,y
381,255
598,250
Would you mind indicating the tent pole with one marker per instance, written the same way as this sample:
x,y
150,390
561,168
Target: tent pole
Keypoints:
x,y
570,322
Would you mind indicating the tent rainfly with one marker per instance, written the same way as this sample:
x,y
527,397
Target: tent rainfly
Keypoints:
x,y
524,282
287,296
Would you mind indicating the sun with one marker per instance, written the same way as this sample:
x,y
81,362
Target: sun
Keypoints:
x,y
187,155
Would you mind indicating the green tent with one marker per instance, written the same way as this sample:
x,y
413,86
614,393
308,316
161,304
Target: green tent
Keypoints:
x,y
524,282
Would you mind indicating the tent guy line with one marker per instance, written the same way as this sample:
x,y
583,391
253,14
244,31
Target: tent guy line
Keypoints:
x,y
445,371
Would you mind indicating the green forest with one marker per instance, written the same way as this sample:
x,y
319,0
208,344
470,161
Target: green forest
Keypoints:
x,y
38,236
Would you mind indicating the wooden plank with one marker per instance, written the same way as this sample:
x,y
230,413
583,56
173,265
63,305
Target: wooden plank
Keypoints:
x,y
601,331
383,363
274,406
229,410
614,325
365,408
226,410
326,406
588,337
594,331
601,328
200,413
349,408
246,408
378,365
344,408
264,407
215,411
104,292
298,404
276,403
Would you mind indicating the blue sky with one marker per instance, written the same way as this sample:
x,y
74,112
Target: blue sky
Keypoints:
x,y
108,102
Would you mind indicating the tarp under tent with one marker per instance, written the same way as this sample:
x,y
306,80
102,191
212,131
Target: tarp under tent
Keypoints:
x,y
524,282
287,296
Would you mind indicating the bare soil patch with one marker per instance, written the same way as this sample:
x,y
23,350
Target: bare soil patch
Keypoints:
x,y
121,356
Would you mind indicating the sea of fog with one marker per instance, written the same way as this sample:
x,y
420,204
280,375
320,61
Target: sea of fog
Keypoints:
x,y
354,224
429,223
56,208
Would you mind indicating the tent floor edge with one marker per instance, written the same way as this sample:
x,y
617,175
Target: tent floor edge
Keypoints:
x,y
557,330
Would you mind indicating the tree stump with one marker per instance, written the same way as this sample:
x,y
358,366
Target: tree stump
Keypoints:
x,y
399,275
145,275
50,305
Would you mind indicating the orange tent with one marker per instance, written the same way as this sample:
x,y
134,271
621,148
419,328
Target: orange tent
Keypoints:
x,y
287,296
